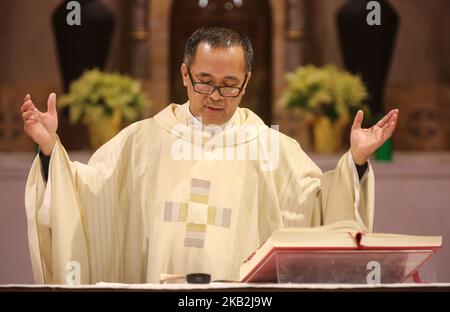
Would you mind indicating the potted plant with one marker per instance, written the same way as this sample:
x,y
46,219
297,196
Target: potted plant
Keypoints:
x,y
102,101
329,97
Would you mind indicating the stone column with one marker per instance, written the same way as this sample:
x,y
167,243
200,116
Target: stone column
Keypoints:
x,y
292,121
136,63
295,34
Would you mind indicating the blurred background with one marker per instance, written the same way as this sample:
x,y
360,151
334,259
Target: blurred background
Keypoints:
x,y
391,54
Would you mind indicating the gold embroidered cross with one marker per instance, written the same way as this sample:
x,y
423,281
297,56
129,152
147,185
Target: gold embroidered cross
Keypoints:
x,y
197,213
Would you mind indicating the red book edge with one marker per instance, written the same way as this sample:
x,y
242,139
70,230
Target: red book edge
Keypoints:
x,y
358,238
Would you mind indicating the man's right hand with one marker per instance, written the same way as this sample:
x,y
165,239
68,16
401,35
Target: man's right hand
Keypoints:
x,y
41,127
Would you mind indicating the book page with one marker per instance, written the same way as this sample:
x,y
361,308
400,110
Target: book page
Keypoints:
x,y
344,226
400,241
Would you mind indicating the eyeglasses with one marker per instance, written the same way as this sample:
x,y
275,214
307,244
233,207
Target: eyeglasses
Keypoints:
x,y
207,89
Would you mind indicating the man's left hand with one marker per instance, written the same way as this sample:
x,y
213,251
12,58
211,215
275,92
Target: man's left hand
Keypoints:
x,y
363,142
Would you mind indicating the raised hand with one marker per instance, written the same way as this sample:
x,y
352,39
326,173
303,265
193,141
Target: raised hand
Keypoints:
x,y
363,142
41,127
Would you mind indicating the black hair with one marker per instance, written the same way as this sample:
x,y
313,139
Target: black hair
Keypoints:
x,y
218,37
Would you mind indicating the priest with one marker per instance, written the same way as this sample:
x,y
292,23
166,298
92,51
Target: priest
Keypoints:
x,y
196,188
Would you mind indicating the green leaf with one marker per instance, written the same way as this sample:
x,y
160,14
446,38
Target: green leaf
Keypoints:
x,y
98,94
325,91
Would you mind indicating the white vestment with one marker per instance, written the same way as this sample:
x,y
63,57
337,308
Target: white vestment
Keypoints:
x,y
163,197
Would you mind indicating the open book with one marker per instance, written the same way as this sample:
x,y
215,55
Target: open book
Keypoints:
x,y
340,252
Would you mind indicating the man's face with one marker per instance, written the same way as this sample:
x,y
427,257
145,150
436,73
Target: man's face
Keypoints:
x,y
216,67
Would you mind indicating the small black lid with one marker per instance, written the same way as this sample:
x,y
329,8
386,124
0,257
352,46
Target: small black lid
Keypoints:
x,y
198,278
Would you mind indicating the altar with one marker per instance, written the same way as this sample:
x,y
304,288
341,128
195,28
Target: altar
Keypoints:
x,y
412,197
